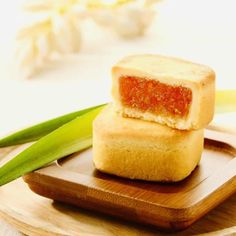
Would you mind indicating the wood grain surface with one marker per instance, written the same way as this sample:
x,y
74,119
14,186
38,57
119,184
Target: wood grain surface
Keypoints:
x,y
8,230
169,206
35,215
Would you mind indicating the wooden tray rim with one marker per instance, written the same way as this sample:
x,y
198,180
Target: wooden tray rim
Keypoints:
x,y
223,179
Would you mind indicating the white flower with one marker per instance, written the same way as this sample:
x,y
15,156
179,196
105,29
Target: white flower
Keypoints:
x,y
128,20
65,33
58,32
33,47
132,20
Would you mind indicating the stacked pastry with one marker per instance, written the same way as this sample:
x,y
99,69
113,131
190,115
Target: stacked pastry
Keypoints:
x,y
154,129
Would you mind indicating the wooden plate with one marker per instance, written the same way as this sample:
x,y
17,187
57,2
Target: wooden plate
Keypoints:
x,y
169,206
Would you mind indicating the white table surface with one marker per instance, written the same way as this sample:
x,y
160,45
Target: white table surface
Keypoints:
x,y
199,30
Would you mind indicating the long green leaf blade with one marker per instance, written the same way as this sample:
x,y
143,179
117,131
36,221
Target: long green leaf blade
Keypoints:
x,y
225,101
36,132
69,138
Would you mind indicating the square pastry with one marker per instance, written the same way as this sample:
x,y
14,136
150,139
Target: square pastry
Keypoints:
x,y
138,149
166,90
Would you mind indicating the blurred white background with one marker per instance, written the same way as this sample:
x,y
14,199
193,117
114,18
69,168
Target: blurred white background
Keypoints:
x,y
199,30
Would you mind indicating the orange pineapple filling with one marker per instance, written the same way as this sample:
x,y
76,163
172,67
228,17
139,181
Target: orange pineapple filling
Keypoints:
x,y
155,97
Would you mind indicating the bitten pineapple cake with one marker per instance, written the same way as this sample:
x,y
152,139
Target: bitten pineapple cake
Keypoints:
x,y
139,149
166,90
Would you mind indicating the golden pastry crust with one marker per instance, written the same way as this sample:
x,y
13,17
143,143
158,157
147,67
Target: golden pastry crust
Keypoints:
x,y
138,149
198,78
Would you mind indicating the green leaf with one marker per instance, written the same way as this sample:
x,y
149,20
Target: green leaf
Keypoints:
x,y
69,138
225,101
36,132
